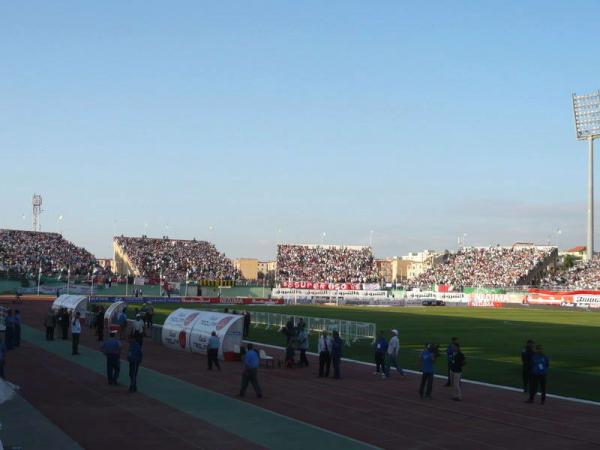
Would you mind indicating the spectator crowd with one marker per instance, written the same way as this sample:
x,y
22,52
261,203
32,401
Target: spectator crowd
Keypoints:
x,y
334,264
486,266
26,251
585,275
176,258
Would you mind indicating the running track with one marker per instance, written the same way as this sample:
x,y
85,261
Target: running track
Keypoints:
x,y
71,392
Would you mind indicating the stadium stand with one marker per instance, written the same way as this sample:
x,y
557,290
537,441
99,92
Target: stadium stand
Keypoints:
x,y
24,252
491,267
331,263
585,275
146,256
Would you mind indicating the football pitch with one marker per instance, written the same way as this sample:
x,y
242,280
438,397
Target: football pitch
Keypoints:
x,y
490,338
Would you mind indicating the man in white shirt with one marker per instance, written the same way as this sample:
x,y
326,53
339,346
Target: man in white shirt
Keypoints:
x,y
324,349
138,329
75,332
393,352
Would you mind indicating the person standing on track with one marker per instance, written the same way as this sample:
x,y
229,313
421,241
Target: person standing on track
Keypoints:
x,y
249,375
64,323
426,360
336,354
381,346
324,349
134,356
122,322
526,357
456,364
100,323
303,346
50,323
75,332
112,350
246,323
393,352
138,329
149,315
449,353
213,351
17,321
539,370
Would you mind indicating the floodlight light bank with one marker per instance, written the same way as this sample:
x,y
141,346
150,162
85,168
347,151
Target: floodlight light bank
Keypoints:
x,y
586,109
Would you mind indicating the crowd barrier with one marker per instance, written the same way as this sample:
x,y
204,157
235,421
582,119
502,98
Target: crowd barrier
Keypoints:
x,y
349,330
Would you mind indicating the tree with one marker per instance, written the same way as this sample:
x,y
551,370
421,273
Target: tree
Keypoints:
x,y
568,262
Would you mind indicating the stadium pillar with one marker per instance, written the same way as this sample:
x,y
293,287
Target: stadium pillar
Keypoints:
x,y
590,230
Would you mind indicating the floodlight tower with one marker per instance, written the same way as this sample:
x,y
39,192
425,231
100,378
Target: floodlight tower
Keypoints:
x,y
37,211
587,127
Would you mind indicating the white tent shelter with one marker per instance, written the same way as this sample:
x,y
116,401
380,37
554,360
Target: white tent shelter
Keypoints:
x,y
113,311
73,303
190,329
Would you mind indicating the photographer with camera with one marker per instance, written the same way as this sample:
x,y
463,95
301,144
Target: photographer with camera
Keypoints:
x,y
426,359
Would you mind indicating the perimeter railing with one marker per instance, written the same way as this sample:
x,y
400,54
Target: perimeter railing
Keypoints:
x,y
349,330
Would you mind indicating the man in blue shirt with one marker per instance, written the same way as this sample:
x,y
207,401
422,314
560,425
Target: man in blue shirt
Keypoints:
x,y
426,359
251,362
539,370
134,356
380,351
213,351
336,353
122,322
112,350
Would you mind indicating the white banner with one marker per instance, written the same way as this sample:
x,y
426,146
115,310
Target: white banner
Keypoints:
x,y
305,293
420,294
587,301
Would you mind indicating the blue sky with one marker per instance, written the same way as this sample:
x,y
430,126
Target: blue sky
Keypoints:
x,y
229,121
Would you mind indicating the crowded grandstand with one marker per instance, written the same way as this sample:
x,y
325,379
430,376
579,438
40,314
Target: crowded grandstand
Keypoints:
x,y
332,263
490,266
585,275
175,259
26,252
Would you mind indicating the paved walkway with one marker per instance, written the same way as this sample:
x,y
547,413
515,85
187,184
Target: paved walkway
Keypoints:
x,y
23,426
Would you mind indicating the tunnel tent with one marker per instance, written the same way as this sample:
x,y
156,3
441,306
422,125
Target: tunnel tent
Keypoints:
x,y
77,303
229,329
190,329
112,312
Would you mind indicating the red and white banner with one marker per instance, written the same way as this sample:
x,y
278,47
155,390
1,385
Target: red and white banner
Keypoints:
x,y
321,286
542,297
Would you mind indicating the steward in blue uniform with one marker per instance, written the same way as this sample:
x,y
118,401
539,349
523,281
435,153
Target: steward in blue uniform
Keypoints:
x,y
539,370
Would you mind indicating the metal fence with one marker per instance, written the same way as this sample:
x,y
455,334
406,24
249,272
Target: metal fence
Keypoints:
x,y
349,330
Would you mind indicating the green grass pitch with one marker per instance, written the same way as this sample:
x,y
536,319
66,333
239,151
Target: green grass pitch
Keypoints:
x,y
491,339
